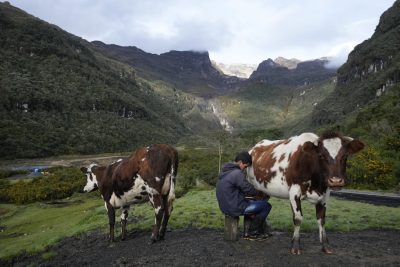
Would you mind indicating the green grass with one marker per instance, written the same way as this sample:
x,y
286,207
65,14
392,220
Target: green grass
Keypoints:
x,y
31,228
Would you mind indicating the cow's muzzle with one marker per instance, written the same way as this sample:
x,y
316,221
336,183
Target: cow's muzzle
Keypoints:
x,y
90,188
335,183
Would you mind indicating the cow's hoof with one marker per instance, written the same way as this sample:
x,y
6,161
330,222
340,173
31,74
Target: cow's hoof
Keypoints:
x,y
295,251
152,240
327,251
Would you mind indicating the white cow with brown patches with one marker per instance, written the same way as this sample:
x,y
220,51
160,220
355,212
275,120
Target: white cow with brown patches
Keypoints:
x,y
147,175
303,167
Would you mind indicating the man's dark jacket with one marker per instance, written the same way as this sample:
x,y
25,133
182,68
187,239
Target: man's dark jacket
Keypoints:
x,y
232,187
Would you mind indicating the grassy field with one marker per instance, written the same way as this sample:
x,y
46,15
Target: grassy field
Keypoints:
x,y
31,228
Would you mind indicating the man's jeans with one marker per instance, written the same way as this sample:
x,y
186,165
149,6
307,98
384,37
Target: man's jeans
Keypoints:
x,y
259,207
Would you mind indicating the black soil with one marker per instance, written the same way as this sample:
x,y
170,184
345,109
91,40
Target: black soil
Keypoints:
x,y
206,247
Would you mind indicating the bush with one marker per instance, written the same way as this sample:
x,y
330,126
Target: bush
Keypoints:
x,y
369,170
8,173
198,164
60,183
4,185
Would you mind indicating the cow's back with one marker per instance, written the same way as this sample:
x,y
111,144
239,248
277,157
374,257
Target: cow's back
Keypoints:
x,y
271,162
159,160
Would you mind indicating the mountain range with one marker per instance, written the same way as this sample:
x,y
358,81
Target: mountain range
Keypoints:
x,y
62,94
189,71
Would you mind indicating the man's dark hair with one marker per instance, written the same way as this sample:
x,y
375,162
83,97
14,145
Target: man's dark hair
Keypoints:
x,y
245,157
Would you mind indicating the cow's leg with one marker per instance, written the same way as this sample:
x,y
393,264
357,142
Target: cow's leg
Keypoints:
x,y
320,210
111,220
295,203
166,215
156,201
124,217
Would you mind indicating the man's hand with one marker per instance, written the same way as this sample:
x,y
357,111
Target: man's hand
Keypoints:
x,y
261,196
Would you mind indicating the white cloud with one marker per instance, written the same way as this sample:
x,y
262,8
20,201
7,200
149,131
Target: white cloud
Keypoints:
x,y
339,53
231,30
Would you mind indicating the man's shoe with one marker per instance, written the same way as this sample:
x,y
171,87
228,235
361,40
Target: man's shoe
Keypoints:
x,y
262,237
250,237
256,237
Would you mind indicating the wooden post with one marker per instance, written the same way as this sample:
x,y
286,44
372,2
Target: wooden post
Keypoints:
x,y
231,228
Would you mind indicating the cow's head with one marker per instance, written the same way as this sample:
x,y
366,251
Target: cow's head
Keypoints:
x,y
91,183
332,151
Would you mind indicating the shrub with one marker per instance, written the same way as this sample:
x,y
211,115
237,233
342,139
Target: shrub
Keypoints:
x,y
198,164
370,171
4,185
60,183
8,173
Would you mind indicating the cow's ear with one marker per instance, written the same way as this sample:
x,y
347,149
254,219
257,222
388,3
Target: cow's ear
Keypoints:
x,y
84,169
355,146
309,147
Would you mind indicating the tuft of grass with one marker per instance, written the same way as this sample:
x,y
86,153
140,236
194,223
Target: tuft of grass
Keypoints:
x,y
32,228
48,255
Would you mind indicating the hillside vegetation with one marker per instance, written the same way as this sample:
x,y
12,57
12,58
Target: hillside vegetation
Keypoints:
x,y
64,95
261,105
61,96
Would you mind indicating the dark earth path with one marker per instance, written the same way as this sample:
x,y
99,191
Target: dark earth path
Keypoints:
x,y
206,247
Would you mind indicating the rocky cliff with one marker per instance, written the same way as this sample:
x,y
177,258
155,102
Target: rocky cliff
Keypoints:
x,y
270,72
372,68
239,70
190,71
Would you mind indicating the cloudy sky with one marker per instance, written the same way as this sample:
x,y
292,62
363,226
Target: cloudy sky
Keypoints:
x,y
233,31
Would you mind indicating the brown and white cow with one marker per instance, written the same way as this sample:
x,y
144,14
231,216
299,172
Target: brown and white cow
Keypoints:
x,y
303,167
148,174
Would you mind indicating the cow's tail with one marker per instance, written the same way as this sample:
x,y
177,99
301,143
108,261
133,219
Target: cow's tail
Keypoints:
x,y
169,185
171,194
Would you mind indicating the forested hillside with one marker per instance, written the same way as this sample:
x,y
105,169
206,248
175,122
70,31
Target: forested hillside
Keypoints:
x,y
64,95
60,96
